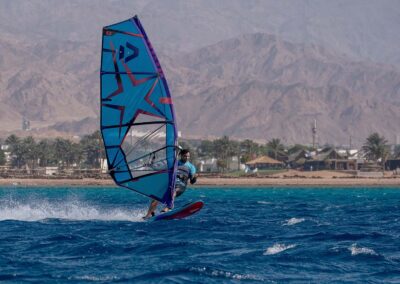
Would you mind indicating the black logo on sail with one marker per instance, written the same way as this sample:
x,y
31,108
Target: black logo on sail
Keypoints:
x,y
130,51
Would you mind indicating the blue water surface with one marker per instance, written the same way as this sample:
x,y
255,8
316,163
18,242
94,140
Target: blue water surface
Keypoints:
x,y
249,235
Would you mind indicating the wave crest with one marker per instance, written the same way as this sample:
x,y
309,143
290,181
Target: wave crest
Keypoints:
x,y
70,210
361,250
293,221
224,274
278,248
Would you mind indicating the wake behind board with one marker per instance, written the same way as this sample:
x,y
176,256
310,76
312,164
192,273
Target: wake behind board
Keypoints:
x,y
179,213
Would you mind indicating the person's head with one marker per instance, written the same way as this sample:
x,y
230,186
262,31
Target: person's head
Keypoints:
x,y
185,155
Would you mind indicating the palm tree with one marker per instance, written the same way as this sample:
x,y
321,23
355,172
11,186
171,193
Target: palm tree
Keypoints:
x,y
297,147
221,150
16,151
206,148
275,146
249,149
78,154
376,148
93,149
2,158
12,140
46,153
63,151
30,151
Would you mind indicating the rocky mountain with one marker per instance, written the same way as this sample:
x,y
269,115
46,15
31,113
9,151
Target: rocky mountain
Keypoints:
x,y
256,86
46,82
262,87
249,69
364,29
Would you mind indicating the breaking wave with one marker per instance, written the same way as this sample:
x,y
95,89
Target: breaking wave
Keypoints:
x,y
70,210
355,250
278,248
224,274
293,221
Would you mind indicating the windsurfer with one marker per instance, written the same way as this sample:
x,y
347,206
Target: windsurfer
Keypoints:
x,y
186,172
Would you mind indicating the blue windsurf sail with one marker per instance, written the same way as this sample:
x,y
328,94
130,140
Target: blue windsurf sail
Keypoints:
x,y
137,115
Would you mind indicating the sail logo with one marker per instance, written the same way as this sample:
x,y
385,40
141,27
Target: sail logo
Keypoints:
x,y
129,50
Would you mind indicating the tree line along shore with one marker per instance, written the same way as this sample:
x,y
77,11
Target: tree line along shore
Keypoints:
x,y
222,158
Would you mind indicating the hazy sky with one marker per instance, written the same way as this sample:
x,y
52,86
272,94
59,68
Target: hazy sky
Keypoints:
x,y
359,28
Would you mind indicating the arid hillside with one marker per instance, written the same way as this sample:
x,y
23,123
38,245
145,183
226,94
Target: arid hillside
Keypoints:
x,y
258,69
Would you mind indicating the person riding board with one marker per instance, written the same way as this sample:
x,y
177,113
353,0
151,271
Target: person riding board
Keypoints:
x,y
186,172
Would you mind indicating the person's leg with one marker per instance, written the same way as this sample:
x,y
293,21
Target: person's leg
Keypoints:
x,y
152,208
166,209
179,190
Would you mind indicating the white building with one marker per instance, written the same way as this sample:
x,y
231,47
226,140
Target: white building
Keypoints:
x,y
7,153
104,166
235,165
208,165
50,171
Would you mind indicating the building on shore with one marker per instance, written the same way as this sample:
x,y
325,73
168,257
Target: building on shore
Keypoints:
x,y
264,163
331,159
208,165
393,164
297,159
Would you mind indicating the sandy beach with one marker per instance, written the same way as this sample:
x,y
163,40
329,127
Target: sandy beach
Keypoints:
x,y
289,178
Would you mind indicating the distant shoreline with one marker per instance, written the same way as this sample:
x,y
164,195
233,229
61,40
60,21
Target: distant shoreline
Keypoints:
x,y
217,182
301,182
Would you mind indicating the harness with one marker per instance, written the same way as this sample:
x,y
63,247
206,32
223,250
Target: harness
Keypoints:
x,y
183,174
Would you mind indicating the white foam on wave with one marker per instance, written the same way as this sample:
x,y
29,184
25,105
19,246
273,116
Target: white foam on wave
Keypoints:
x,y
37,210
93,278
224,274
293,221
355,250
278,248
263,202
234,252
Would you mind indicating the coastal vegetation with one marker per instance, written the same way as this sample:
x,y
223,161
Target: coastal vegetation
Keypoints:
x,y
59,152
2,157
228,155
376,147
275,147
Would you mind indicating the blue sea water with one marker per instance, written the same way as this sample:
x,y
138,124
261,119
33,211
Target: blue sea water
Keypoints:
x,y
249,235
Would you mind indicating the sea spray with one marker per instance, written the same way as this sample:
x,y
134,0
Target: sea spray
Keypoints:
x,y
356,250
293,221
278,248
37,210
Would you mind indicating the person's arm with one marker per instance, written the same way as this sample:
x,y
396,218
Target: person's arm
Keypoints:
x,y
193,175
193,180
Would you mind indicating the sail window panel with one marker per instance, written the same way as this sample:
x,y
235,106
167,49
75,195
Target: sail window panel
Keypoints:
x,y
145,150
144,118
171,152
